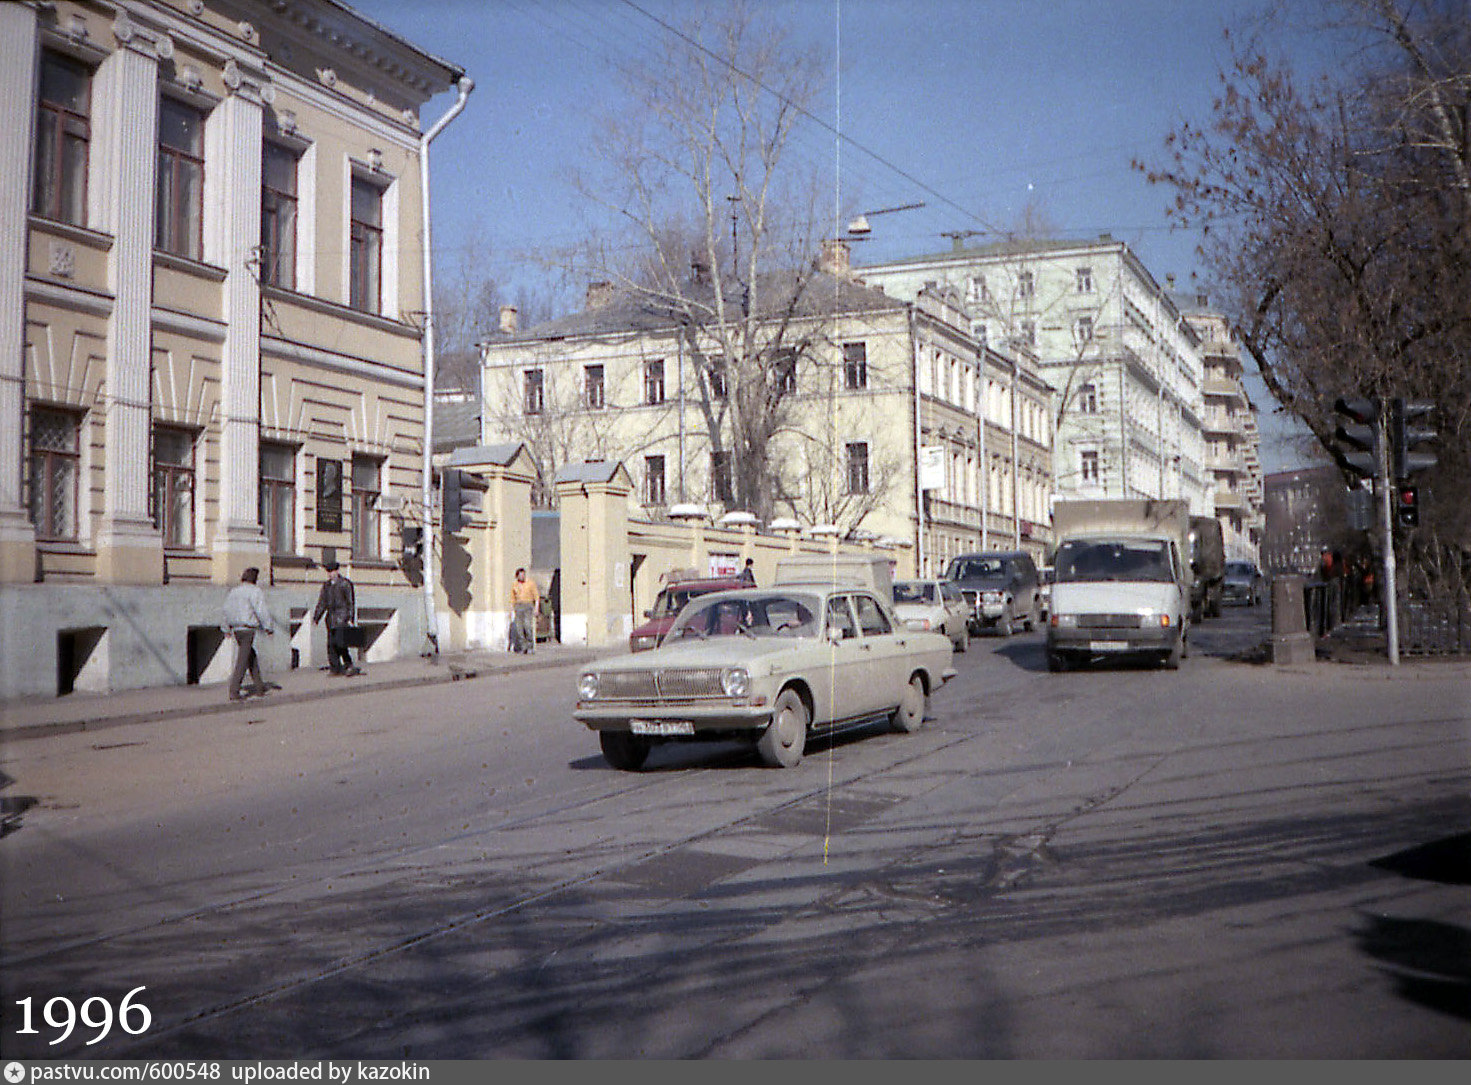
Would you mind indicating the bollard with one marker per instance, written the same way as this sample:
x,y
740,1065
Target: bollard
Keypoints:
x,y
1291,641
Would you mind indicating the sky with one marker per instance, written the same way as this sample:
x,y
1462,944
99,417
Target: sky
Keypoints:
x,y
975,108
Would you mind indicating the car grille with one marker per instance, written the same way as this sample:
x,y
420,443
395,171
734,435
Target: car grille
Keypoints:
x,y
672,682
1108,621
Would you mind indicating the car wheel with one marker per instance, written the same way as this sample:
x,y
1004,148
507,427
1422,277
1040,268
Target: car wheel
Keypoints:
x,y
1032,617
1172,660
784,739
963,643
623,751
909,716
1056,663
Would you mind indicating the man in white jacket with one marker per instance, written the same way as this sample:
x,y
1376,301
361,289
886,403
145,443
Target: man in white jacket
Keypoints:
x,y
245,612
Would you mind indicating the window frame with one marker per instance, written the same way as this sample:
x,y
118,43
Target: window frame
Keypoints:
x,y
1084,280
60,194
173,205
655,488
367,518
855,366
165,476
365,247
654,382
594,391
278,493
48,521
278,256
533,391
1090,466
856,467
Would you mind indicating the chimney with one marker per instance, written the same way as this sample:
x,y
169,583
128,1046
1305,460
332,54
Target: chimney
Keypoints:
x,y
836,258
510,320
599,294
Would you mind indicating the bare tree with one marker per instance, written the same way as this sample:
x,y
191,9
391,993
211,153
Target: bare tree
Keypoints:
x,y
1335,217
724,221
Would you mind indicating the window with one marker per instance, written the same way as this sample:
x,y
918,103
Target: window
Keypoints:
x,y
1026,285
1088,399
278,496
63,131
1088,466
855,366
173,486
976,290
1029,333
365,247
654,382
1085,280
1083,331
721,479
870,617
653,480
535,391
784,372
715,372
858,467
278,216
979,331
55,467
593,396
367,488
179,228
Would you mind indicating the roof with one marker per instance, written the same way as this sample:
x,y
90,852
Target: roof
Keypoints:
x,y
822,294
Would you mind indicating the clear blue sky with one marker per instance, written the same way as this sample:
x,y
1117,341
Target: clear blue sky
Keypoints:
x,y
974,107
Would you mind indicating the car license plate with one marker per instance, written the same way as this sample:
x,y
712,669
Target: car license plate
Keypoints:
x,y
662,727
1109,645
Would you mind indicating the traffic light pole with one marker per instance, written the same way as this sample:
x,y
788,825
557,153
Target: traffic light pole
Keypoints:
x,y
1390,593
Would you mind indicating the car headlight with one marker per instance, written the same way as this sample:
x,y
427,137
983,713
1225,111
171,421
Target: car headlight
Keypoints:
x,y
644,643
918,623
587,686
1064,621
736,681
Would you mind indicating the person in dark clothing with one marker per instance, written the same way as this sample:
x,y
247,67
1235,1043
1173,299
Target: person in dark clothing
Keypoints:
x,y
337,602
748,574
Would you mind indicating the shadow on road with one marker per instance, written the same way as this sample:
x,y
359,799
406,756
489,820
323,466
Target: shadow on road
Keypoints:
x,y
1429,961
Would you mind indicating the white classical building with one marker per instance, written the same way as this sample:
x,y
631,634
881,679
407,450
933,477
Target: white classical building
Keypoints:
x,y
1126,368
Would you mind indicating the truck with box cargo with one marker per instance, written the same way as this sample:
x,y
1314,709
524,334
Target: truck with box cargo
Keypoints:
x,y
1122,582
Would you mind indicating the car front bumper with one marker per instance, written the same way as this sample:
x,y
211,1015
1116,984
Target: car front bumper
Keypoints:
x,y
703,718
1112,641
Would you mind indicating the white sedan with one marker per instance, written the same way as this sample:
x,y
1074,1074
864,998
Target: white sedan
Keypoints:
x,y
934,605
770,666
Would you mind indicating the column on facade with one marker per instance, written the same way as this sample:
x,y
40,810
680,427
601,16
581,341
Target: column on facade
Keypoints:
x,y
129,548
17,82
235,145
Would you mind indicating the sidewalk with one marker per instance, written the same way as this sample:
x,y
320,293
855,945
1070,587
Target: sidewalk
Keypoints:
x,y
38,717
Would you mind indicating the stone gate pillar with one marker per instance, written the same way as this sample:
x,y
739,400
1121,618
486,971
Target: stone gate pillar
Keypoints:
x,y
597,593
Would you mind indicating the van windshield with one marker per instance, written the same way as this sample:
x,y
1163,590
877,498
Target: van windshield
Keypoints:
x,y
1079,561
914,591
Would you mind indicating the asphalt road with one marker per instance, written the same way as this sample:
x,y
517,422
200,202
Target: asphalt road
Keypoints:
x,y
1234,860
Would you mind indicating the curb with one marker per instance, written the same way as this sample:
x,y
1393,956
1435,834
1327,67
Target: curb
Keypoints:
x,y
450,672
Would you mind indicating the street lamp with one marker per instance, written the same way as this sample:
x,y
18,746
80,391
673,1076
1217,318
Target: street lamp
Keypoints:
x,y
859,227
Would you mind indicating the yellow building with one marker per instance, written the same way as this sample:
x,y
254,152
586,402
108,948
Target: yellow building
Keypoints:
x,y
881,438
211,354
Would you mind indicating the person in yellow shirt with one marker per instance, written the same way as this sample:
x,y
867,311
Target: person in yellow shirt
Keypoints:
x,y
526,604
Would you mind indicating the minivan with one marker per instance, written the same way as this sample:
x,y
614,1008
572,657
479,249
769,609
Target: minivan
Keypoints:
x,y
1002,588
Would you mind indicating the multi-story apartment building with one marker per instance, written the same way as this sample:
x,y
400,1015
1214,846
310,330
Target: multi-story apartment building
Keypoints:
x,y
210,349
883,403
1229,424
1125,368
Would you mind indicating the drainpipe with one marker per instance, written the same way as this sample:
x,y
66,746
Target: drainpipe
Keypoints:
x,y
920,556
431,621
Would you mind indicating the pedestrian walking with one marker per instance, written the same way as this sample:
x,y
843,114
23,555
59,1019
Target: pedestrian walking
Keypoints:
x,y
526,606
337,602
748,574
244,614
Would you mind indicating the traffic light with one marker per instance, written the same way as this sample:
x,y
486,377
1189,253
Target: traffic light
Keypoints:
x,y
1407,506
460,495
1358,434
413,541
1406,436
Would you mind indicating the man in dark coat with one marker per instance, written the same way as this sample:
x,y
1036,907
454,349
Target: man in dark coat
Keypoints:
x,y
338,604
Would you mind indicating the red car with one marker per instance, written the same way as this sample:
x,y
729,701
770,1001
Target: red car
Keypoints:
x,y
672,598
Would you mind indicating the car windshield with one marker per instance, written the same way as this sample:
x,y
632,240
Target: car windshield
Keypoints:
x,y
1093,561
748,614
1240,568
976,568
671,601
914,591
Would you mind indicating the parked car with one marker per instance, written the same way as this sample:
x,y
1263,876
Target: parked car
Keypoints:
x,y
934,605
1243,583
765,665
1001,588
667,605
